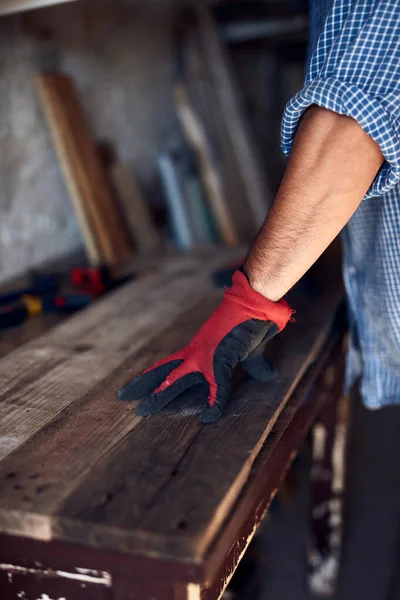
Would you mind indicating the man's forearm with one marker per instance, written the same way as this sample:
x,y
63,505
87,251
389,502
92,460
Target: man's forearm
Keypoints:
x,y
331,166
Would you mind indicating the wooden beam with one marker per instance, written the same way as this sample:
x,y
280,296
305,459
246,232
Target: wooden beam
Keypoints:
x,y
258,194
13,6
101,224
210,175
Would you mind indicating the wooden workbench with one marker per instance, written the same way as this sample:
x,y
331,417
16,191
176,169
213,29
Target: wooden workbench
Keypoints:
x,y
98,503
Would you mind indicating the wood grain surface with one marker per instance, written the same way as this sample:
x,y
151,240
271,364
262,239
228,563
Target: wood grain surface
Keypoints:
x,y
77,465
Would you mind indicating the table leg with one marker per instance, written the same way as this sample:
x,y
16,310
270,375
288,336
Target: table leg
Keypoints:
x,y
329,436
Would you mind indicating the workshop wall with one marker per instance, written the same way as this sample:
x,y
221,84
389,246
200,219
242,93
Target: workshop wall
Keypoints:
x,y
118,54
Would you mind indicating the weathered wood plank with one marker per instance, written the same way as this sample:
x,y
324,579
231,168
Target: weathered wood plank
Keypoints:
x,y
206,101
210,175
43,472
31,329
102,226
221,560
39,380
180,481
258,194
217,466
82,467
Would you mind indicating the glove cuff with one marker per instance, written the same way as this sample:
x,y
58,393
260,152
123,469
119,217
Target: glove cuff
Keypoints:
x,y
241,291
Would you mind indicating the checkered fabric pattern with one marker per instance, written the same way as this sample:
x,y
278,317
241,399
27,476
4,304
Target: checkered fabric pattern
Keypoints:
x,y
354,69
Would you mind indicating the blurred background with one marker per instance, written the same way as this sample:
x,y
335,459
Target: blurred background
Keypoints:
x,y
129,129
148,91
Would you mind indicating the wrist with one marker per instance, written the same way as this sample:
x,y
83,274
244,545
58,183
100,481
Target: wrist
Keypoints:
x,y
256,303
268,290
269,287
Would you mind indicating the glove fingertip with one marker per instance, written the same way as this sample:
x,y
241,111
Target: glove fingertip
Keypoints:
x,y
123,394
131,391
149,406
145,383
210,414
142,411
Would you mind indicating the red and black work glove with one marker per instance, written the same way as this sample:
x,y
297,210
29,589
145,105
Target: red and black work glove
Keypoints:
x,y
234,333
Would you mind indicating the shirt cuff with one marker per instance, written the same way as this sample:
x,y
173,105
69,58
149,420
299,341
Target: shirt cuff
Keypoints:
x,y
354,102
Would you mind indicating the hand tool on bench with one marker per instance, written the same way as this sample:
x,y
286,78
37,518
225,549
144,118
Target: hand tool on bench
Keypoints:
x,y
47,293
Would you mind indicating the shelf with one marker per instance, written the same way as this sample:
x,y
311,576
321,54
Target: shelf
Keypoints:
x,y
13,6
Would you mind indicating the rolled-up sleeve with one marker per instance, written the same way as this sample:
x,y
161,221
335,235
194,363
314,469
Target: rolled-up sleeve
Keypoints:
x,y
355,71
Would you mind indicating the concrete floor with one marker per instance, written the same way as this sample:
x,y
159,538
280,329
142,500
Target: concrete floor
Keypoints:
x,y
371,553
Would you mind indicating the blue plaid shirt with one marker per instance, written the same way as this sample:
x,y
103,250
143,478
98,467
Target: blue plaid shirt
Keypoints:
x,y
354,69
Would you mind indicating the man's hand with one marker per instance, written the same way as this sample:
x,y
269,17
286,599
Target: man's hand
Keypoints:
x,y
244,320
